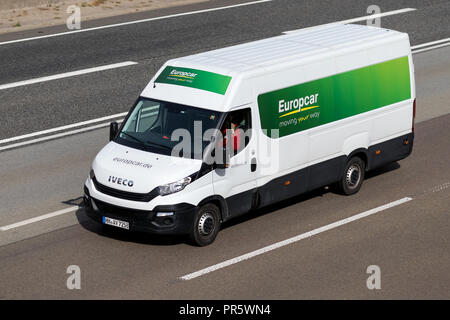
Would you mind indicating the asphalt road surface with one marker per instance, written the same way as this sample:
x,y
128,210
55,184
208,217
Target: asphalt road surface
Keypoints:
x,y
409,242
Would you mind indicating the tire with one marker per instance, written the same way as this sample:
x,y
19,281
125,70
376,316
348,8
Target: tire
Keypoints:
x,y
352,177
206,225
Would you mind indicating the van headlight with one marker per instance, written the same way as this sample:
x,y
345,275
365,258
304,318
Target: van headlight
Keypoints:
x,y
174,186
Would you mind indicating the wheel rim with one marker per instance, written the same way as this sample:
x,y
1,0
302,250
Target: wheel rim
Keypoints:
x,y
206,224
353,176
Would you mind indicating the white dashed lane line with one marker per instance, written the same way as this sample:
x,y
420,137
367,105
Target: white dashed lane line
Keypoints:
x,y
289,241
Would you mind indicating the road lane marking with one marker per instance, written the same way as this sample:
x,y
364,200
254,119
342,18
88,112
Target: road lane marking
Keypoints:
x,y
55,136
293,239
135,22
39,218
67,75
70,126
359,19
432,47
440,187
434,189
430,43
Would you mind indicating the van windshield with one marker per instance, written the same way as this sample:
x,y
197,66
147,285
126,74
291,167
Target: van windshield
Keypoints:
x,y
168,128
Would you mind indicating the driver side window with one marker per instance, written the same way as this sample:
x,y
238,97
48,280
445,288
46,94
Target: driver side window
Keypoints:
x,y
236,130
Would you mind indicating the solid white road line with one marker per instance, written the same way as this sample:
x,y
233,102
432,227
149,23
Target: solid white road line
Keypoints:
x,y
39,218
70,126
430,43
431,48
67,75
372,16
293,239
135,22
55,136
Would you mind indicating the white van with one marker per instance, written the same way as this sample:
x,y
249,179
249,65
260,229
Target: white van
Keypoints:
x,y
316,107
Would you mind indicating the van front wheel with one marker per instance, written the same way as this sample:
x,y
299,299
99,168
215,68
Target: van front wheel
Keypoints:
x,y
206,225
352,177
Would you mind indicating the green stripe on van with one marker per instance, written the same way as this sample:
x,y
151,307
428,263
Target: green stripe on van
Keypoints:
x,y
311,104
194,78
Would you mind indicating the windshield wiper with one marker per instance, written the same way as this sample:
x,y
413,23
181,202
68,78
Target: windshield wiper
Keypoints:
x,y
145,143
134,138
159,145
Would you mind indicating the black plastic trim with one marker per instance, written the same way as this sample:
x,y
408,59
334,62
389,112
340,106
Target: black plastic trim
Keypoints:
x,y
141,197
146,221
390,151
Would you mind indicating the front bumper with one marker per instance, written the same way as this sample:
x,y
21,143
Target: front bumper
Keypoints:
x,y
180,223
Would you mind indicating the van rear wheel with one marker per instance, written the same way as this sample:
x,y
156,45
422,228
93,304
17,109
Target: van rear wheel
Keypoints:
x,y
206,225
352,177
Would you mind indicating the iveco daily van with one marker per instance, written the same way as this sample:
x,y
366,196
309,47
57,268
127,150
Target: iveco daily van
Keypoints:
x,y
316,107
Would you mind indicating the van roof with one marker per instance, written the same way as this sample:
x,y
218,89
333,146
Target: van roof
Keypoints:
x,y
298,44
253,58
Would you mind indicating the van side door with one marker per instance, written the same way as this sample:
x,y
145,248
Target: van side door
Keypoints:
x,y
237,182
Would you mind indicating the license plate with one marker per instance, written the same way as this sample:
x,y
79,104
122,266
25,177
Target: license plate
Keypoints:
x,y
116,223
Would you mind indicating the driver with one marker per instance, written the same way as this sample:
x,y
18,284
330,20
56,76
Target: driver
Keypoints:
x,y
236,133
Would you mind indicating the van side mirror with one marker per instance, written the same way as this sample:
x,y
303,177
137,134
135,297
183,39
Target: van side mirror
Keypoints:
x,y
113,129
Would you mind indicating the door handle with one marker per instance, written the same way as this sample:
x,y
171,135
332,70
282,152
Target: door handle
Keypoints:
x,y
253,165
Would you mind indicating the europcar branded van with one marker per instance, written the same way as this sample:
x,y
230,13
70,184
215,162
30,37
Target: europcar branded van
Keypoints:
x,y
217,134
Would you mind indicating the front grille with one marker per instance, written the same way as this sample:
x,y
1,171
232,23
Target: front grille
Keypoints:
x,y
142,197
108,208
